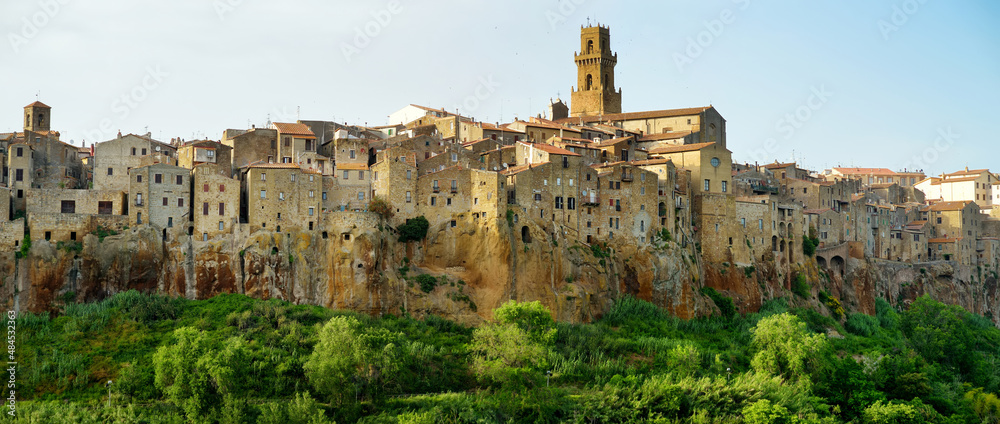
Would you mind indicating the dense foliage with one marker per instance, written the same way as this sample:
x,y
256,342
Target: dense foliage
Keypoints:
x,y
415,229
232,359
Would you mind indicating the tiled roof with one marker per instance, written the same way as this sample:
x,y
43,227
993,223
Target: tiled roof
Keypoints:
x,y
612,142
865,171
299,130
351,166
779,165
550,126
521,168
673,135
38,104
954,180
816,211
949,206
264,165
967,172
679,149
550,149
667,113
943,240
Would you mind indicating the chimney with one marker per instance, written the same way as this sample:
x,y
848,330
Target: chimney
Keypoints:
x,y
119,133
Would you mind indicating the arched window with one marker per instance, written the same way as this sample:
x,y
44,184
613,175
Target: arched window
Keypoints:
x,y
590,46
590,82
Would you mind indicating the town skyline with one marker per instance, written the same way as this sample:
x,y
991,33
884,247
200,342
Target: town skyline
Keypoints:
x,y
712,55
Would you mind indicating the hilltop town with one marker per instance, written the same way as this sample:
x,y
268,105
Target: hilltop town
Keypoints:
x,y
583,174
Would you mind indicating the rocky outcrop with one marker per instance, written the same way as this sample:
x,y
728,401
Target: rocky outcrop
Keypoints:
x,y
477,266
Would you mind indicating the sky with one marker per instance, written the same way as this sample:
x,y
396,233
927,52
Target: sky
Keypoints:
x,y
899,84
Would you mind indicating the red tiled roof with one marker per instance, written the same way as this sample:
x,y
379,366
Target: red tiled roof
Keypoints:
x,y
38,104
298,130
667,113
967,172
955,180
865,171
351,166
550,149
779,165
943,240
650,162
612,142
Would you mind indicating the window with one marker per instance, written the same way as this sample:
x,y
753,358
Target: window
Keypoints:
x,y
204,208
324,195
293,177
311,194
558,181
361,175
111,171
164,201
454,157
409,198
311,210
144,152
158,178
408,174
559,202
138,178
180,202
20,151
170,222
760,224
538,197
571,203
743,222
351,154
222,209
725,186
281,195
222,188
433,201
454,186
180,179
346,175
448,202
18,175
708,185
361,195
263,194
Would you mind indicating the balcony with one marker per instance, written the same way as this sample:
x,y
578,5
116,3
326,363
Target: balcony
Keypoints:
x,y
590,201
454,190
760,188
627,177
437,189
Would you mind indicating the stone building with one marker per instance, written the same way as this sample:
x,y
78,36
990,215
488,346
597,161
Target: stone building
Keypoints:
x,y
968,185
456,194
959,222
282,197
161,197
113,159
539,130
255,145
194,153
216,201
21,172
595,93
628,201
394,179
67,215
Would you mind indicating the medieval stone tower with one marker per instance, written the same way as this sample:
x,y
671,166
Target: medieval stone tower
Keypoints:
x,y
37,117
595,92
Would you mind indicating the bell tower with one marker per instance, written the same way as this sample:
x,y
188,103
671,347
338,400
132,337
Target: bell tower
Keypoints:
x,y
37,117
595,92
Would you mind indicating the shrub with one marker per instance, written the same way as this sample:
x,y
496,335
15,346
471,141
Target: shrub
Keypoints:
x,y
749,270
427,282
785,346
724,303
887,316
800,287
415,229
381,208
631,309
891,413
25,246
861,324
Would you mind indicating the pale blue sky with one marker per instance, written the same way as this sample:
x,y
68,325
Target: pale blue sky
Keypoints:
x,y
215,64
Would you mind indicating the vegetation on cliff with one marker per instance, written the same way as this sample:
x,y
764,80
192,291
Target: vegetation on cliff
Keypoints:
x,y
233,359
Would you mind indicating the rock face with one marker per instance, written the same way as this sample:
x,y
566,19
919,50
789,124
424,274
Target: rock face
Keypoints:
x,y
477,266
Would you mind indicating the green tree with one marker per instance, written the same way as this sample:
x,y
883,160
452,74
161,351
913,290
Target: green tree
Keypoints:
x,y
351,360
195,376
415,229
763,412
785,346
514,350
891,413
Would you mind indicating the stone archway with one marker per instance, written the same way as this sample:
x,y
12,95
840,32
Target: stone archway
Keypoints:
x,y
525,234
837,265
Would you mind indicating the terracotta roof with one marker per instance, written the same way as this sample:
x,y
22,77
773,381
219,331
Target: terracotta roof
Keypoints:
x,y
550,149
550,126
943,240
351,166
673,135
779,165
263,165
949,206
298,130
954,180
866,171
667,113
967,172
612,142
679,149
38,104
469,143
